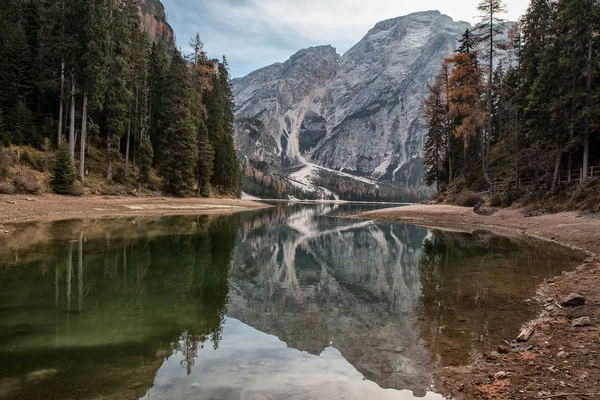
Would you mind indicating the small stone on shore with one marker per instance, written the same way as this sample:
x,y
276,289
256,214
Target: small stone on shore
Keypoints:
x,y
501,375
581,322
572,300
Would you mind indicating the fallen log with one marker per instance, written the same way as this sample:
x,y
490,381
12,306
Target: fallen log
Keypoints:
x,y
527,331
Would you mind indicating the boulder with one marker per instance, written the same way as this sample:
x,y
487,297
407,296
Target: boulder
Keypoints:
x,y
581,322
572,300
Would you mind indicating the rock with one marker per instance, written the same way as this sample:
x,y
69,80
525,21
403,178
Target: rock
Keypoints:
x,y
11,202
501,375
562,354
40,375
572,300
581,322
502,350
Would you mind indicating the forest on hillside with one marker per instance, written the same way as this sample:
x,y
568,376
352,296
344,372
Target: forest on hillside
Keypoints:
x,y
519,113
88,95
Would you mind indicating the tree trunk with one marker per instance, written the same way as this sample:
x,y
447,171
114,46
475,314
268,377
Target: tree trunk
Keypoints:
x,y
72,120
464,171
83,138
109,173
487,138
62,95
450,175
558,156
588,87
127,145
517,148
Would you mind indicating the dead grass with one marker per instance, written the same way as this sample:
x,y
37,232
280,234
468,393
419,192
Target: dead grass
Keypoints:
x,y
467,199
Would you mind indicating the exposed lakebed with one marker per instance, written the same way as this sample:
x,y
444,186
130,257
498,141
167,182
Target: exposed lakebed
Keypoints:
x,y
296,301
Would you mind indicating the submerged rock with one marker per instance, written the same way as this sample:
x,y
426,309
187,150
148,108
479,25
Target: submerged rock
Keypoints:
x,y
40,375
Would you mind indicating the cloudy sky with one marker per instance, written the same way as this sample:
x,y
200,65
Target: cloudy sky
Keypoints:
x,y
256,33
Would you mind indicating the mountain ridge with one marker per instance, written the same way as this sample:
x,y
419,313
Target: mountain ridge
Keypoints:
x,y
356,113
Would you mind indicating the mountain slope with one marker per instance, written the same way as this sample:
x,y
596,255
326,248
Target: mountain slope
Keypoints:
x,y
359,113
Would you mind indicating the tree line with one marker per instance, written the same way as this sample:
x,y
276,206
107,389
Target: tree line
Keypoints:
x,y
83,73
524,96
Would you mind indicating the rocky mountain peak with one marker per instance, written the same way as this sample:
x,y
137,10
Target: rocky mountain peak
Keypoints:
x,y
320,119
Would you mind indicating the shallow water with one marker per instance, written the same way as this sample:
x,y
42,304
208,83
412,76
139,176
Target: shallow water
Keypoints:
x,y
297,302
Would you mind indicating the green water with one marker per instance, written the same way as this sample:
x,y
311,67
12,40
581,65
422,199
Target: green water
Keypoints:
x,y
296,301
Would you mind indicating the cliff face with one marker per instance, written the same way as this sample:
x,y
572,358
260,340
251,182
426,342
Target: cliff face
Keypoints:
x,y
154,22
356,115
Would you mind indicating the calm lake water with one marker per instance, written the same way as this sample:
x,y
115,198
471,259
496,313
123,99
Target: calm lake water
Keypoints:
x,y
294,302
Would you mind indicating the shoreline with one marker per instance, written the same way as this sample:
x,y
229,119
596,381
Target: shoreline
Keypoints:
x,y
18,209
559,360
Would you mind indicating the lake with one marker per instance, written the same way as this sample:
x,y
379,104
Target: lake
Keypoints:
x,y
298,301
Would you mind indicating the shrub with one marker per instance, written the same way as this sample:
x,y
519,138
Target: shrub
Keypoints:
x,y
27,182
6,162
468,199
511,196
496,200
63,172
77,189
31,161
7,188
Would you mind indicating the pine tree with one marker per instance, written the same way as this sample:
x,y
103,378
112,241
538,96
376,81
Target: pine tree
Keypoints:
x,y
158,69
180,148
231,166
118,94
63,171
436,118
215,106
489,28
146,156
94,66
206,155
464,91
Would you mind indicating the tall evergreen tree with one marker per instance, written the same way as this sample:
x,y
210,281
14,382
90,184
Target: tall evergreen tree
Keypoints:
x,y
180,148
436,118
489,28
118,94
94,66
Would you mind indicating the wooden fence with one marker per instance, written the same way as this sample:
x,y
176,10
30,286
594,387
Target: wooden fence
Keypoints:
x,y
564,178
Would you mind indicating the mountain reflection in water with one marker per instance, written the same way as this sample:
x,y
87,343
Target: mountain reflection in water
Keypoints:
x,y
297,301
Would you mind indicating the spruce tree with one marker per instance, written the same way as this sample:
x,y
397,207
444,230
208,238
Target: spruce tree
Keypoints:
x,y
436,119
157,75
206,155
94,66
118,94
146,155
489,28
63,171
180,147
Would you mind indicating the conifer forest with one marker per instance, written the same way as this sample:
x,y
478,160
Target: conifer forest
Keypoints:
x,y
130,107
517,106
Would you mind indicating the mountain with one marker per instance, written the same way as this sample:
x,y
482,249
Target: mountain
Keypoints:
x,y
324,122
154,22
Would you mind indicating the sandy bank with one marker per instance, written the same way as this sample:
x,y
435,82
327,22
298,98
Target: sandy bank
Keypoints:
x,y
568,228
560,360
18,209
